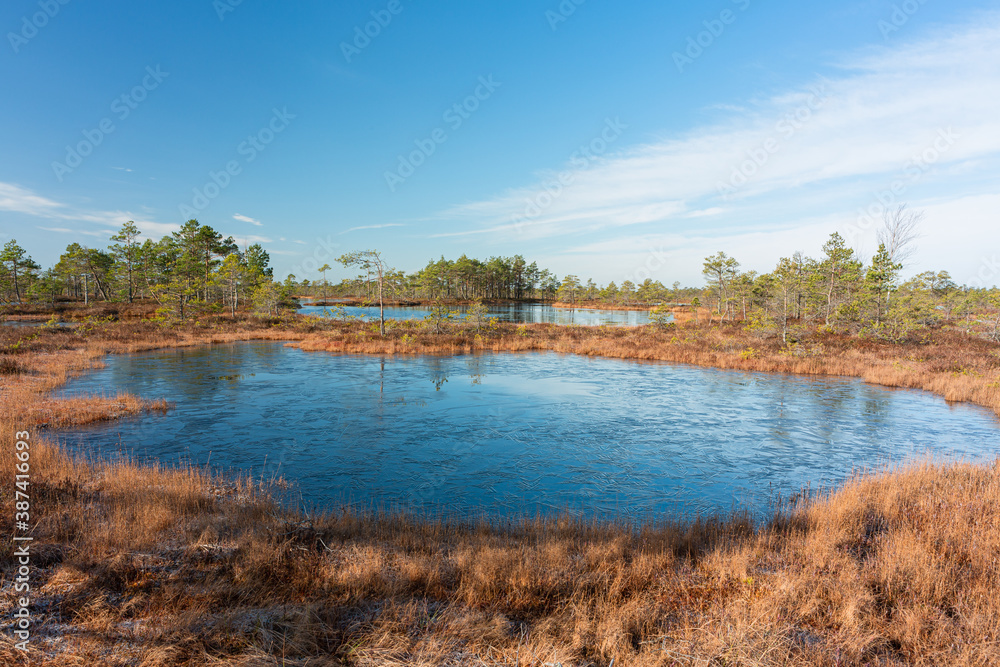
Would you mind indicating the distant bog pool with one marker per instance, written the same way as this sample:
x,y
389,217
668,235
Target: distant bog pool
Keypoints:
x,y
520,313
510,434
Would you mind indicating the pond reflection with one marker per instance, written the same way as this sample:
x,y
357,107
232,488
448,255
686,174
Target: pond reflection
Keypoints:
x,y
521,313
510,434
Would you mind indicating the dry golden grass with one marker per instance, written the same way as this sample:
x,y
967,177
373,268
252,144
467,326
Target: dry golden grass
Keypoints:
x,y
144,565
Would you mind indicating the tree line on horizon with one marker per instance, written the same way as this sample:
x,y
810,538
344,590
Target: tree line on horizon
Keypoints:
x,y
840,291
184,271
197,269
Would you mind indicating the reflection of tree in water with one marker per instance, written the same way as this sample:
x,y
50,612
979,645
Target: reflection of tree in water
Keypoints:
x,y
213,369
402,401
394,401
474,364
437,371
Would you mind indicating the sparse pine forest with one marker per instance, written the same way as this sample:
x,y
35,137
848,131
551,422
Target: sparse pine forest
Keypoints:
x,y
196,271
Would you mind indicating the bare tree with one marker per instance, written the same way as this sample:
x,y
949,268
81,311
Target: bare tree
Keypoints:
x,y
370,261
900,230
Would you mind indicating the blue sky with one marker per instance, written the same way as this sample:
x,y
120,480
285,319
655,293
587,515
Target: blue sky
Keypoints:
x,y
612,140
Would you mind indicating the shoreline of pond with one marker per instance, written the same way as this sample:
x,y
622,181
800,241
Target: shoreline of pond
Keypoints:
x,y
144,541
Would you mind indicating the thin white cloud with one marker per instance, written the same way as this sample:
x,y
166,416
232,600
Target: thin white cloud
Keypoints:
x,y
715,210
156,229
251,238
243,218
102,233
358,229
678,255
17,199
824,148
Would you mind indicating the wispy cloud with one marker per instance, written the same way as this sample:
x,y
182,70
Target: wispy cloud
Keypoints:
x,y
101,233
17,199
156,229
243,218
252,238
358,229
704,213
831,143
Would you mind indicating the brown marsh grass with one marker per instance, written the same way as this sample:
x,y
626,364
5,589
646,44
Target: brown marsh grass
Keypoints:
x,y
148,565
